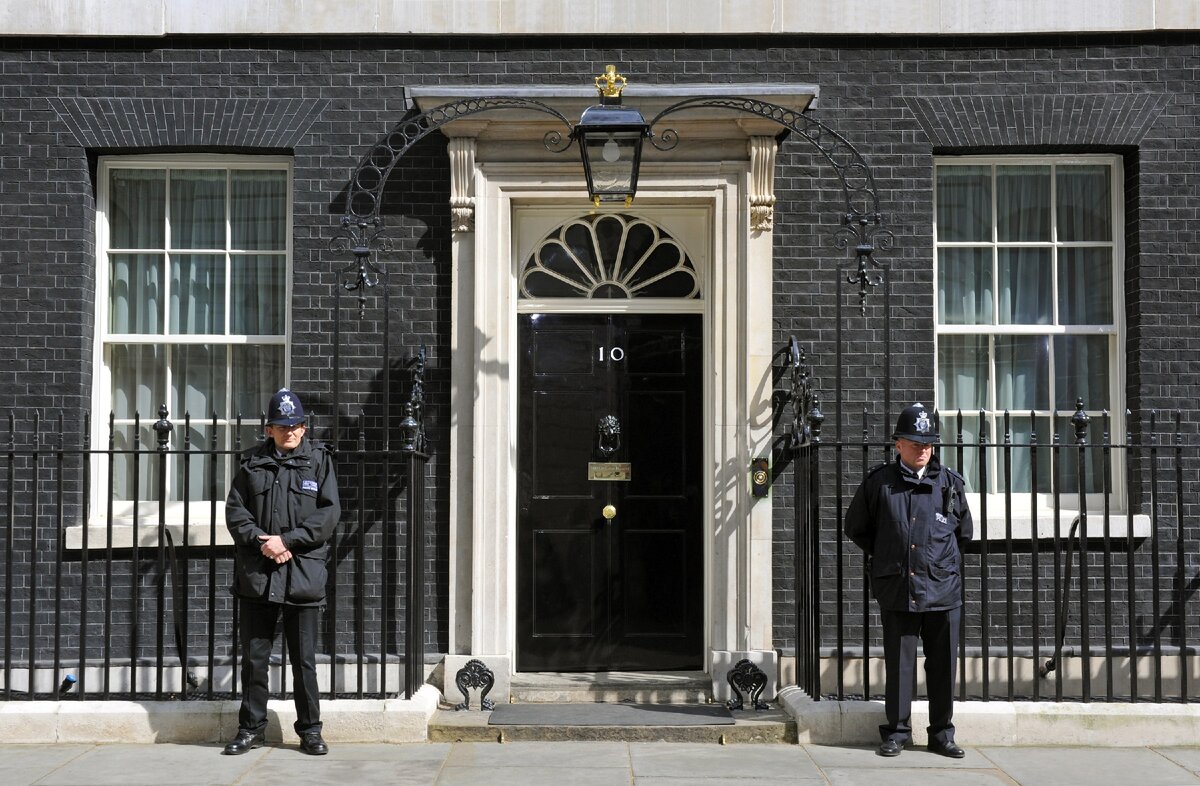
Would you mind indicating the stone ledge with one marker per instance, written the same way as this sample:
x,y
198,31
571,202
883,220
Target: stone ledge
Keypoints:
x,y
1002,722
346,720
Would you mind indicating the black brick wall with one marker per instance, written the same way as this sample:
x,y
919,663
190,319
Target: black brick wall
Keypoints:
x,y
326,101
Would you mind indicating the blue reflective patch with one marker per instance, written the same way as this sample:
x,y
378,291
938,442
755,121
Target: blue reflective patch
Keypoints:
x,y
308,485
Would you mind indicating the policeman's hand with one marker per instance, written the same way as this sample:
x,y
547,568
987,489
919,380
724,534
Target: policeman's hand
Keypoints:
x,y
284,557
271,546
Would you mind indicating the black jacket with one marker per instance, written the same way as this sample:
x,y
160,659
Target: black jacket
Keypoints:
x,y
914,531
293,496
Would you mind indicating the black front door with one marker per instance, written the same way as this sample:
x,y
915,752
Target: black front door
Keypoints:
x,y
609,528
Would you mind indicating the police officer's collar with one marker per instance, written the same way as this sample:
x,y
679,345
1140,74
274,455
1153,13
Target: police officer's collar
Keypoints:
x,y
267,453
931,469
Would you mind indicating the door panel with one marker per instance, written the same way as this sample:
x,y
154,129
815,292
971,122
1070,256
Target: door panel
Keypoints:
x,y
627,592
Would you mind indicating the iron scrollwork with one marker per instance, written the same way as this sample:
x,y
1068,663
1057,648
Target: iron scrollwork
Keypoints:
x,y
861,222
412,424
747,679
475,674
362,224
807,417
362,227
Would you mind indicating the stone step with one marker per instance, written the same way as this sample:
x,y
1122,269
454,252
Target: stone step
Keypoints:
x,y
658,687
766,726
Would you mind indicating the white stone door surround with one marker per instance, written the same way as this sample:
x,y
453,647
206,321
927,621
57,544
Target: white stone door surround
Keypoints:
x,y
499,169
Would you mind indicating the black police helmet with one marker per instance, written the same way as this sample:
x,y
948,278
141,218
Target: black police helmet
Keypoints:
x,y
916,425
285,409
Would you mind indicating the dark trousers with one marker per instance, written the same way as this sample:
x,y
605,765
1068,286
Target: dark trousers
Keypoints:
x,y
938,632
257,629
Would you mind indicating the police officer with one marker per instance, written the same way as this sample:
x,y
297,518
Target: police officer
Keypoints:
x,y
281,511
911,519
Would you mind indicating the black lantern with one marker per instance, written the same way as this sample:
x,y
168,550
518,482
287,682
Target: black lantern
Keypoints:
x,y
610,142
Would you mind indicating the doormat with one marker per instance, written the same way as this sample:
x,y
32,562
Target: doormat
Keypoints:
x,y
599,714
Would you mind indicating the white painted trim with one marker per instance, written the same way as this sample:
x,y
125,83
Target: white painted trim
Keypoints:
x,y
737,312
101,380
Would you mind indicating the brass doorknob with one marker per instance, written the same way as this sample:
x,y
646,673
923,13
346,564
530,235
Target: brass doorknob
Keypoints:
x,y
609,512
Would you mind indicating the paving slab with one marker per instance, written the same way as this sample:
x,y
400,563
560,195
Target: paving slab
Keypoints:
x,y
551,755
1188,758
920,776
1070,766
288,768
533,776
858,756
162,764
685,760
724,781
25,764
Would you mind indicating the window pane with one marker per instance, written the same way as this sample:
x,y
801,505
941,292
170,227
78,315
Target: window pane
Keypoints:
x,y
258,295
962,372
257,373
258,209
1025,286
1022,372
1022,203
1022,456
1093,456
198,380
138,380
140,462
965,286
964,203
249,435
960,446
1085,286
135,293
198,208
1081,370
197,293
1084,203
136,208
203,474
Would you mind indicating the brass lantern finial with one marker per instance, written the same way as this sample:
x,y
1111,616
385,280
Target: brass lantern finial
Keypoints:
x,y
610,84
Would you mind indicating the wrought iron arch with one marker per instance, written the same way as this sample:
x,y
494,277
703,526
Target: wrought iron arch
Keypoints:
x,y
862,222
362,225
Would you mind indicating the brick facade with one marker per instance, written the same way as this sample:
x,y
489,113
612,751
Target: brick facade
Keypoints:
x,y
325,101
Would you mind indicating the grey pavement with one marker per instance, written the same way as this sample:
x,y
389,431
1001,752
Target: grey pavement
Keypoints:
x,y
589,764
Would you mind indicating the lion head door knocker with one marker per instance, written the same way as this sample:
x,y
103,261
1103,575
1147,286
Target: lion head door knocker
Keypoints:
x,y
608,433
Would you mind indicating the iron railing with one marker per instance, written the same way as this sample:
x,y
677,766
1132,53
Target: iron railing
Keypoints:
x,y
108,599
1078,586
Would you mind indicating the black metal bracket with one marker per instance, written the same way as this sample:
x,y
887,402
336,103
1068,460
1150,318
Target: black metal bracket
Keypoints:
x,y
412,424
746,678
475,674
807,418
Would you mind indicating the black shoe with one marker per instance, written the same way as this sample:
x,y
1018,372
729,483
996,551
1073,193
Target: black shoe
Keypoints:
x,y
312,744
244,742
947,748
890,748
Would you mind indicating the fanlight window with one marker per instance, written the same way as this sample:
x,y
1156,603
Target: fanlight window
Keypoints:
x,y
609,256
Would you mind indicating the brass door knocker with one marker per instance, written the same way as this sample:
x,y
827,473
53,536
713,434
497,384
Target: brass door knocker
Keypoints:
x,y
608,432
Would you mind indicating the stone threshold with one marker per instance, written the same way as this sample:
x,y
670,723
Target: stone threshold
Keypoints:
x,y
767,726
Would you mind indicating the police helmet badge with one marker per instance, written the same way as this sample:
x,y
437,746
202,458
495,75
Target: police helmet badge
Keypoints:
x,y
922,424
287,406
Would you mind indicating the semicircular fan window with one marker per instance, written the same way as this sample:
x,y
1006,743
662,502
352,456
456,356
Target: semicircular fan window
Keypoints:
x,y
609,256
